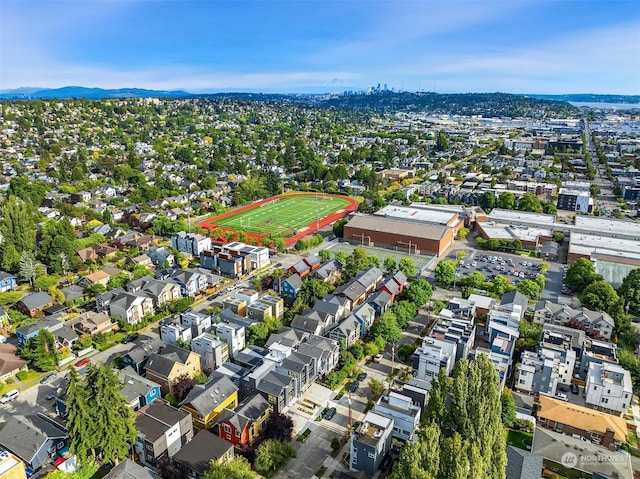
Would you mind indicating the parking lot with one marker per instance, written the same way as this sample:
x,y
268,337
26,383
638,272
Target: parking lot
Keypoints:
x,y
513,267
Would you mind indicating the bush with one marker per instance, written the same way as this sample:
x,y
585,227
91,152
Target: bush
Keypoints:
x,y
335,444
22,375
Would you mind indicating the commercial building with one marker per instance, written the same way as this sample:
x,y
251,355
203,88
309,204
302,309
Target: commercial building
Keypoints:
x,y
398,234
575,200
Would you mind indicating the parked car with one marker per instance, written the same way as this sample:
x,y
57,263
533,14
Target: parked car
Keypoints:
x,y
562,397
50,396
386,462
48,378
130,338
82,362
9,395
362,376
377,358
354,386
330,413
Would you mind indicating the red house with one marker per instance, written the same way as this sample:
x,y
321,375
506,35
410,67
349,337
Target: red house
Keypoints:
x,y
242,426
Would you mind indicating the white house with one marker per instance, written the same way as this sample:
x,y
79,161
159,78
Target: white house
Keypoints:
x,y
213,352
609,387
405,414
433,355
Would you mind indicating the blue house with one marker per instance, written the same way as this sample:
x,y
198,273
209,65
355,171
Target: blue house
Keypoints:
x,y
7,281
138,391
34,439
23,333
290,286
365,315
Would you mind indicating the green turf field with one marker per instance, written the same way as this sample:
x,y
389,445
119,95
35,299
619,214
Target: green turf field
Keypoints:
x,y
283,216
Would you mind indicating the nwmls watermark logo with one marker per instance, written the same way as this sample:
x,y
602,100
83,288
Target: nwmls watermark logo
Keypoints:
x,y
572,460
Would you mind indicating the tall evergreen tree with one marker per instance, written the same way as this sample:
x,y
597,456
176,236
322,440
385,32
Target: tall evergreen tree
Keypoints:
x,y
108,426
18,225
80,423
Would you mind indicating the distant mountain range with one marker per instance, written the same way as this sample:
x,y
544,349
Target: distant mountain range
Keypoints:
x,y
590,98
88,93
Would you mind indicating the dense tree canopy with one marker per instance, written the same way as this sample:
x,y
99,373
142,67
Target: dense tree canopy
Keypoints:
x,y
445,272
629,290
581,274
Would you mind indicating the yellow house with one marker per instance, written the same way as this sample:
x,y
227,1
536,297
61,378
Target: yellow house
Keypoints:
x,y
166,366
206,402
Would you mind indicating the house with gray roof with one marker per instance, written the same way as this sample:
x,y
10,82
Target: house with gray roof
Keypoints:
x,y
128,469
278,389
33,304
523,464
137,390
32,438
196,456
206,402
138,356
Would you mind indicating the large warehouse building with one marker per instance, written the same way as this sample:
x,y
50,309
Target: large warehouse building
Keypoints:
x,y
401,234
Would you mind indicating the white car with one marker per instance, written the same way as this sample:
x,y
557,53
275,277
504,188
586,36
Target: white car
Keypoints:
x,y
8,396
474,264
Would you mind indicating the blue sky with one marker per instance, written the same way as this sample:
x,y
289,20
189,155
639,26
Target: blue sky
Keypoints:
x,y
516,46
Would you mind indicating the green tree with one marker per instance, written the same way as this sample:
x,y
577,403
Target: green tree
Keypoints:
x,y
442,142
529,288
463,233
340,256
581,274
376,386
420,459
79,418
558,236
27,270
629,290
18,226
508,408
338,227
487,201
600,296
471,441
507,200
10,258
324,255
110,432
271,455
46,281
445,272
41,351
390,265
356,261
419,292
530,202
408,267
311,290
387,327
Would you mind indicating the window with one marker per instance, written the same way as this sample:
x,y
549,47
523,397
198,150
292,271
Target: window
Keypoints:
x,y
237,433
605,400
522,381
372,455
227,429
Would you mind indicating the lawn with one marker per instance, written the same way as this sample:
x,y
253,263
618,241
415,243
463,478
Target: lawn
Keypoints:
x,y
522,440
281,216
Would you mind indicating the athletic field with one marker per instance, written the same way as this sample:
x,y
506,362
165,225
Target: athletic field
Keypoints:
x,y
286,216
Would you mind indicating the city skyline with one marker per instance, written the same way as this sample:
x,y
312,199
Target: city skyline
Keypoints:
x,y
548,47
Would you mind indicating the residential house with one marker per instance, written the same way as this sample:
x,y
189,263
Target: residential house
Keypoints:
x,y
336,306
7,282
591,460
365,315
191,282
161,257
162,431
33,304
198,322
24,333
596,324
161,292
243,425
364,283
523,464
213,352
73,293
461,332
130,308
190,243
233,334
11,466
138,356
434,355
313,322
299,367
596,426
92,323
98,277
128,469
169,364
594,351
405,414
34,439
197,455
258,310
324,352
348,330
172,332
278,389
206,402
137,390
10,362
541,372
609,388
290,286
381,301
141,260
329,272
276,303
370,443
